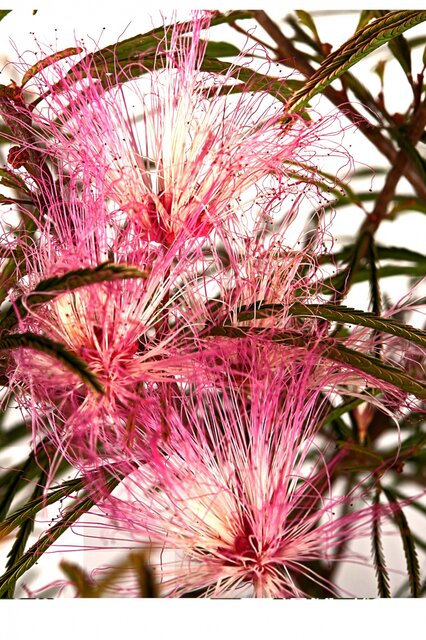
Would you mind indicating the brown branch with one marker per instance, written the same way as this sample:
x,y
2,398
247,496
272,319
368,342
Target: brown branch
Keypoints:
x,y
385,197
290,56
17,116
250,36
380,211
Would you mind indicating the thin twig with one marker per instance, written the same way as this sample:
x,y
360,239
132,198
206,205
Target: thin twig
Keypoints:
x,y
414,133
290,55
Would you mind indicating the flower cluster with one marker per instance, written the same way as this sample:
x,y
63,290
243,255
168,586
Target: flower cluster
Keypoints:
x,y
166,255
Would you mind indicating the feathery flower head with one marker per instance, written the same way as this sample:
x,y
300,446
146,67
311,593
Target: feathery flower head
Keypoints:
x,y
239,488
146,193
111,299
177,150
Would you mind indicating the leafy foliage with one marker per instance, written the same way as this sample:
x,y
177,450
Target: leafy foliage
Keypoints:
x,y
56,351
408,544
49,289
383,586
365,40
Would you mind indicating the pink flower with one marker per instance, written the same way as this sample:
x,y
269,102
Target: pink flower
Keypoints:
x,y
177,150
199,187
131,332
203,165
238,493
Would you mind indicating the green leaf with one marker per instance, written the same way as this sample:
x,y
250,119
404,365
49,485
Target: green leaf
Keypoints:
x,y
383,253
370,459
379,69
113,57
375,295
355,257
109,61
408,544
402,203
11,435
15,479
373,367
24,533
105,272
73,513
57,285
405,144
306,19
130,50
12,181
400,253
364,18
79,578
343,408
230,16
33,506
16,482
415,271
402,53
415,504
329,184
364,41
399,47
221,50
4,12
46,62
145,576
86,587
418,269
339,353
249,80
55,350
412,449
383,584
9,200
341,314
300,35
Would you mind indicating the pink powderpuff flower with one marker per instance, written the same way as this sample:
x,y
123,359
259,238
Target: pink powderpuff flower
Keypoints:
x,y
177,150
267,272
145,194
238,496
130,332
